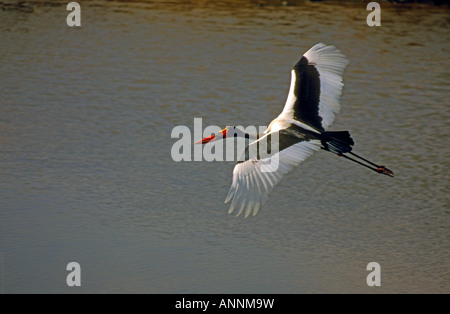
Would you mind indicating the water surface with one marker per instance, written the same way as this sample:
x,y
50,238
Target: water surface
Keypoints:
x,y
86,173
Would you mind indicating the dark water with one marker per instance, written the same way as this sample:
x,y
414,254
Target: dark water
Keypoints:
x,y
86,173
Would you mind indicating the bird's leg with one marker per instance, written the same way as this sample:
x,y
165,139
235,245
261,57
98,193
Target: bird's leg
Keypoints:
x,y
376,168
380,169
358,162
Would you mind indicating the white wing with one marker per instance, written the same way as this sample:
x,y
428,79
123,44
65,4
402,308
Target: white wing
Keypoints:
x,y
316,87
254,179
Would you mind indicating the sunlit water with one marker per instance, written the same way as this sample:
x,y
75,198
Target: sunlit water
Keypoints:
x,y
86,174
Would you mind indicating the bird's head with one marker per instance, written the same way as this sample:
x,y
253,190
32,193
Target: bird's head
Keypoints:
x,y
215,137
229,131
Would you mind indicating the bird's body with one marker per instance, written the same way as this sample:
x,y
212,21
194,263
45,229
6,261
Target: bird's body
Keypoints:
x,y
300,129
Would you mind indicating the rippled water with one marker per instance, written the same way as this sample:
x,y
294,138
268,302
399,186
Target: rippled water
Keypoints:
x,y
86,174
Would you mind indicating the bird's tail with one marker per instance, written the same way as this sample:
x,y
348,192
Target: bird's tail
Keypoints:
x,y
338,142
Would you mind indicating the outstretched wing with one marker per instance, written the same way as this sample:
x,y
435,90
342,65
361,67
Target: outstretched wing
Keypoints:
x,y
316,87
255,178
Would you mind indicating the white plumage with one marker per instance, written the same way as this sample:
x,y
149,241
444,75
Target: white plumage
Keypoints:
x,y
330,63
251,186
